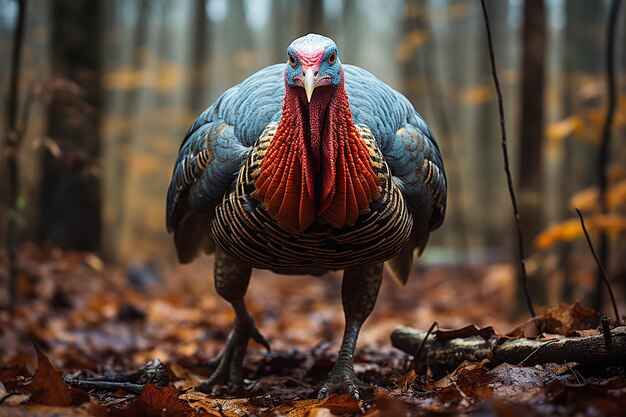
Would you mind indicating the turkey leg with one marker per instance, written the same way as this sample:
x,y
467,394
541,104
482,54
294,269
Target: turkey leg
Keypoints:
x,y
358,295
231,282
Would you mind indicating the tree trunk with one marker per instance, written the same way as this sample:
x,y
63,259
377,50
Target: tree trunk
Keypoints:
x,y
530,172
70,184
530,168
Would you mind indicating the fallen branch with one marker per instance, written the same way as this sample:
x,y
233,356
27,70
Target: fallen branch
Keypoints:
x,y
154,372
444,356
108,386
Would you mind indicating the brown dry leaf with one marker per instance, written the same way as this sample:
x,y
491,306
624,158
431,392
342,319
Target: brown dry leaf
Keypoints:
x,y
521,384
47,386
9,374
566,318
166,400
585,333
339,403
186,379
321,412
220,407
388,407
462,371
467,331
43,411
235,407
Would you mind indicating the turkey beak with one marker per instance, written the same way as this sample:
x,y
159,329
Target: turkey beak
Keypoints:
x,y
309,83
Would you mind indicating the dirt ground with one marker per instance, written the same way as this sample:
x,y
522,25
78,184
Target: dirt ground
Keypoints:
x,y
148,329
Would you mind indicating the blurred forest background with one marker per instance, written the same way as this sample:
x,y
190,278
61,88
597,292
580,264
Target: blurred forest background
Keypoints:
x,y
107,89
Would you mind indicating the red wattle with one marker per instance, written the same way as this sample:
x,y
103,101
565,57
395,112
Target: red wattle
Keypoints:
x,y
329,149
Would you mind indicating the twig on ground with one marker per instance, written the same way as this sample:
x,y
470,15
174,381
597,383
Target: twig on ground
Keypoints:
x,y
505,154
618,319
106,385
549,342
421,346
460,391
7,396
579,378
606,331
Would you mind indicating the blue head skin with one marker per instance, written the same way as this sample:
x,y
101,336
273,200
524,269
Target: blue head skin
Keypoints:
x,y
313,61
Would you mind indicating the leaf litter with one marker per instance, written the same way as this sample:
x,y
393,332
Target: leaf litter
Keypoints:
x,y
146,332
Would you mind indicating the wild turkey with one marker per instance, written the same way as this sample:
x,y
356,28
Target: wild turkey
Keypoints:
x,y
306,167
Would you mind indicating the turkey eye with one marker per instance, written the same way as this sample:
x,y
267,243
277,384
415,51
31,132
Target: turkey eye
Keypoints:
x,y
332,58
292,60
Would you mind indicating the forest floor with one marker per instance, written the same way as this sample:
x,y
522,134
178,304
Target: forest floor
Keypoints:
x,y
146,331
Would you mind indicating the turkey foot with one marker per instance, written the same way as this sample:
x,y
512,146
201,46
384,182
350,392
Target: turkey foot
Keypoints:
x,y
341,380
358,295
228,363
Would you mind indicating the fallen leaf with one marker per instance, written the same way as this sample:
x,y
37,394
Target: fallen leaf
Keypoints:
x,y
9,374
467,331
564,318
220,407
337,404
388,407
166,400
43,411
321,412
467,370
47,386
340,403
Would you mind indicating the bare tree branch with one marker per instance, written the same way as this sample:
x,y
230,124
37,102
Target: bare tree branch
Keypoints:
x,y
601,270
605,142
505,154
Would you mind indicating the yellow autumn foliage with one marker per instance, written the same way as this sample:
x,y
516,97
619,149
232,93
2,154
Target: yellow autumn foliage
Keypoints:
x,y
409,43
587,124
587,199
477,94
570,229
559,130
617,195
162,77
